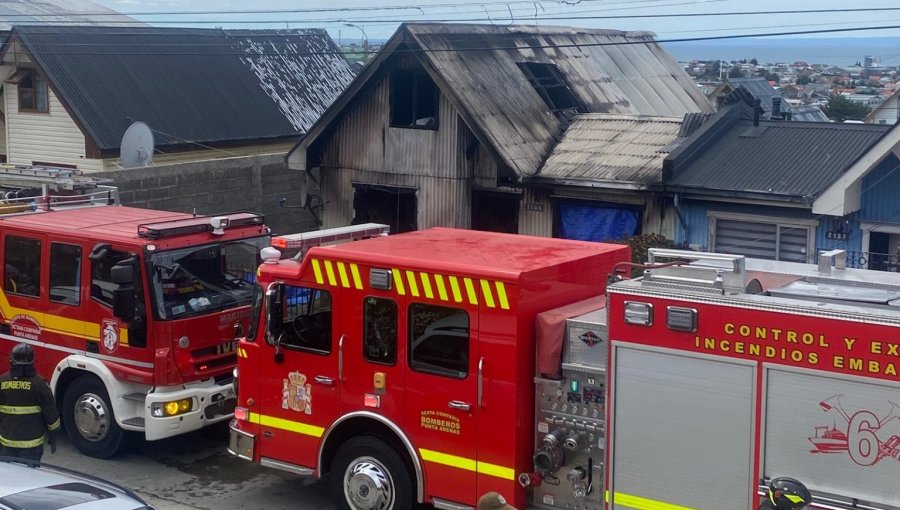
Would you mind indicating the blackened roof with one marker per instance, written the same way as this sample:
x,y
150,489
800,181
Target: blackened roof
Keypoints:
x,y
189,85
792,159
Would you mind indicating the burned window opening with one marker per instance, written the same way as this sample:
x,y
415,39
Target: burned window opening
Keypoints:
x,y
414,100
549,83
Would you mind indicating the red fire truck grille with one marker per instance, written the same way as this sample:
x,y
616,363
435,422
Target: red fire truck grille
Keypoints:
x,y
210,359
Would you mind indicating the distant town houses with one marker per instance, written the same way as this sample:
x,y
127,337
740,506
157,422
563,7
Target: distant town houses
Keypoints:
x,y
802,85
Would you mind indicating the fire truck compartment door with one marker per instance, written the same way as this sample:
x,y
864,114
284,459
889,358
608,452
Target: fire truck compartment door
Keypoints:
x,y
836,435
682,435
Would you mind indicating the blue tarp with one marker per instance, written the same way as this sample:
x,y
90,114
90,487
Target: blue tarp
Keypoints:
x,y
592,223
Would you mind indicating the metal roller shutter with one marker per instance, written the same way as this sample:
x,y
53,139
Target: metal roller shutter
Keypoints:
x,y
678,419
769,241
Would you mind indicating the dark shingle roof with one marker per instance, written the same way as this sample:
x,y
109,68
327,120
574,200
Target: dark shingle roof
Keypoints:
x,y
198,85
798,159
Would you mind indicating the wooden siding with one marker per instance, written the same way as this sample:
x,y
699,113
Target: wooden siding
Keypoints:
x,y
364,149
44,137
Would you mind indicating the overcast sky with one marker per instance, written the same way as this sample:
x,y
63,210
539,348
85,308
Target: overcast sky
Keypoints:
x,y
380,23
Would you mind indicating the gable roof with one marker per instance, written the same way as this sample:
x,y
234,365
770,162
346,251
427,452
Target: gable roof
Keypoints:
x,y
794,161
197,85
890,104
612,150
476,66
66,12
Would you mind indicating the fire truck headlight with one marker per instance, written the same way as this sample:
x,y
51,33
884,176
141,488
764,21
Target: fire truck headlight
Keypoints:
x,y
171,408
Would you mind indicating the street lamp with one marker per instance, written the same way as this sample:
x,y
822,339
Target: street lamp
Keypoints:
x,y
365,38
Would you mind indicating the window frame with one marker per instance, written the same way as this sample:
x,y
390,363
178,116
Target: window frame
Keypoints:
x,y
39,86
411,340
416,75
365,332
307,306
544,89
6,277
50,274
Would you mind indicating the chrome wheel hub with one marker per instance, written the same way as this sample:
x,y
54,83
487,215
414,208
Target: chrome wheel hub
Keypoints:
x,y
368,485
92,417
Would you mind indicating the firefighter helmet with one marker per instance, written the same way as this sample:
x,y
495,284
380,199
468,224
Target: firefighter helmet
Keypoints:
x,y
21,354
788,494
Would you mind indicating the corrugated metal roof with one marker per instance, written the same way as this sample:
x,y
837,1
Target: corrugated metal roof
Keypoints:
x,y
197,85
60,12
808,113
608,71
799,159
760,88
612,148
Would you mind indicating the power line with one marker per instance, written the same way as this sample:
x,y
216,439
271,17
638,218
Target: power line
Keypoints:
x,y
641,40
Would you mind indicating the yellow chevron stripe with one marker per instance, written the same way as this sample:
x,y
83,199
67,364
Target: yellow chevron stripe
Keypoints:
x,y
486,291
501,295
290,426
426,285
357,281
454,286
342,272
317,271
470,290
442,291
398,282
329,271
413,287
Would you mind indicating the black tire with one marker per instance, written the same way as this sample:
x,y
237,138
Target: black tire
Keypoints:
x,y
368,474
94,430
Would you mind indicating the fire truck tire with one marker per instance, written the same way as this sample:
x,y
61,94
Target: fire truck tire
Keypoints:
x,y
368,474
89,419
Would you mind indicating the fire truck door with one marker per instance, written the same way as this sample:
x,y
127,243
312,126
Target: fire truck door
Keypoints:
x,y
299,394
441,397
373,369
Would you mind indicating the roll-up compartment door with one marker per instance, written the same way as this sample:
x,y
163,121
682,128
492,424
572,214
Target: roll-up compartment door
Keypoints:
x,y
682,432
836,435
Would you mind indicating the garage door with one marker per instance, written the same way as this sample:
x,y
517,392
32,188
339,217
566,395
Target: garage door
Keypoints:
x,y
678,420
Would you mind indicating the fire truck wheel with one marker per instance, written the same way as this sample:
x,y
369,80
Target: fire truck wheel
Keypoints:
x,y
368,474
89,419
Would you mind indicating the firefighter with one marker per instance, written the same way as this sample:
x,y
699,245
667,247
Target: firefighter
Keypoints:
x,y
493,501
786,494
28,416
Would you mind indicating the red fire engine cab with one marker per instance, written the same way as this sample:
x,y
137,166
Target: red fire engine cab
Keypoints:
x,y
132,312
403,366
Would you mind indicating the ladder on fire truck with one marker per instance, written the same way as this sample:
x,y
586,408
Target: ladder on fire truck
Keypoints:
x,y
26,189
300,242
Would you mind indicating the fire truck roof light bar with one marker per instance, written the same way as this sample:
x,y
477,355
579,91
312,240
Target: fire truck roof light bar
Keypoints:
x,y
196,225
304,240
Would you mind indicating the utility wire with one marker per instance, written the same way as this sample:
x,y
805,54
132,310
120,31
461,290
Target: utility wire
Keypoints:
x,y
637,40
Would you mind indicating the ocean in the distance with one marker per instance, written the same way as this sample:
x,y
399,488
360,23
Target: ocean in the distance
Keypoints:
x,y
842,51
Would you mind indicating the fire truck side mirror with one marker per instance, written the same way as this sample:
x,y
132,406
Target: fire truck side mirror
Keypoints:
x,y
273,317
122,274
124,302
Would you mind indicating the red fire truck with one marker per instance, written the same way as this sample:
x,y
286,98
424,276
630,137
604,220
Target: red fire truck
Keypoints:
x,y
435,366
133,313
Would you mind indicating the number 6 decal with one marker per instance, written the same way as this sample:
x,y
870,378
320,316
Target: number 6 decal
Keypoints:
x,y
862,443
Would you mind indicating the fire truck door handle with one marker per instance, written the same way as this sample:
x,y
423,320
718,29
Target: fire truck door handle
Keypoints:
x,y
341,358
481,382
457,404
321,379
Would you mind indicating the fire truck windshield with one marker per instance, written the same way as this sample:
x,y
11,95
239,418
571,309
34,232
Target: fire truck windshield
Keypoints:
x,y
203,279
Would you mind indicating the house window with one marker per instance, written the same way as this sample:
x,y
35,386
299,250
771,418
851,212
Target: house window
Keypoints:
x,y
33,94
770,240
550,85
414,100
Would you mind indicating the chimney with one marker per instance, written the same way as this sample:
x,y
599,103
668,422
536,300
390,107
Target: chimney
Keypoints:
x,y
776,108
756,110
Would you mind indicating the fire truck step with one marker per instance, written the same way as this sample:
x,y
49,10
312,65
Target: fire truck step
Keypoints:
x,y
139,397
137,421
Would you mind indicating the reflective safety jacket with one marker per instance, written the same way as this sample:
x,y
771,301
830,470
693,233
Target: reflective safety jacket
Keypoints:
x,y
27,409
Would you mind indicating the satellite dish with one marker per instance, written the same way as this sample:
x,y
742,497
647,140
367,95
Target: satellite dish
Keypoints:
x,y
136,149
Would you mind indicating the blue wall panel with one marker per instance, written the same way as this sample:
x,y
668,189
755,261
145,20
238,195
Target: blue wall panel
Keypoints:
x,y
696,216
880,193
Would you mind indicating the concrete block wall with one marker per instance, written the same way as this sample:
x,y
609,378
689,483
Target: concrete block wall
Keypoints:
x,y
251,183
